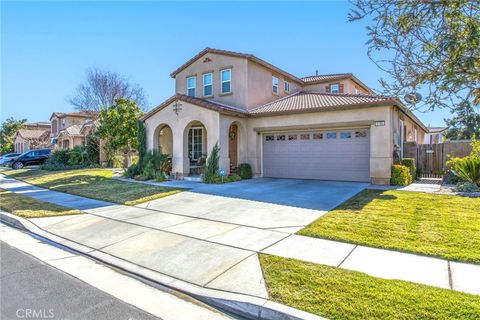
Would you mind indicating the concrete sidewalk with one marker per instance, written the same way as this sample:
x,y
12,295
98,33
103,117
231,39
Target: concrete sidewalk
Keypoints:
x,y
217,248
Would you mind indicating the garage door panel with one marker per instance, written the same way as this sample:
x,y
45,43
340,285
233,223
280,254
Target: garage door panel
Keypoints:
x,y
320,158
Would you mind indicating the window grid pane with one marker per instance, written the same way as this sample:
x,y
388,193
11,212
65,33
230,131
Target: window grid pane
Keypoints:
x,y
226,80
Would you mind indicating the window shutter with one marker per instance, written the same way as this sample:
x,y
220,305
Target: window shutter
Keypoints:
x,y
340,88
327,88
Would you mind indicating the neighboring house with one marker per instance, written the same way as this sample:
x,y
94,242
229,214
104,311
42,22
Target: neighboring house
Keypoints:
x,y
32,136
434,135
67,128
329,127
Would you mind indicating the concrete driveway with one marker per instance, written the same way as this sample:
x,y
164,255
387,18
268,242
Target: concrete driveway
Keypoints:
x,y
208,236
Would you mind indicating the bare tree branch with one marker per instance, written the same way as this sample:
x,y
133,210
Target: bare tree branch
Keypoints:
x,y
101,88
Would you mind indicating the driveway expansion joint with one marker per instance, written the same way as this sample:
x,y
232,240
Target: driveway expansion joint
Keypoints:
x,y
348,255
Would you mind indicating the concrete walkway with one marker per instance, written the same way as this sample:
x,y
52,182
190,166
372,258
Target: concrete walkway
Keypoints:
x,y
194,237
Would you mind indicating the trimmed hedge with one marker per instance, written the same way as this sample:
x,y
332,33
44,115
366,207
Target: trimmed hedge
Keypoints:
x,y
244,170
400,175
410,164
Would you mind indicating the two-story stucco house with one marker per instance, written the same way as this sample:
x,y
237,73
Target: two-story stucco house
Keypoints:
x,y
67,128
329,127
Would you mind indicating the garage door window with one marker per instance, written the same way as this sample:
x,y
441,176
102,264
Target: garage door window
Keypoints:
x,y
292,137
281,137
305,136
361,134
269,138
332,135
345,135
318,136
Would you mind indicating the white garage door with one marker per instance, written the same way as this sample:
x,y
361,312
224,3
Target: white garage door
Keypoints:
x,y
326,155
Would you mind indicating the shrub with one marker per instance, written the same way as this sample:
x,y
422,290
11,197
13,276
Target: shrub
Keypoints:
x,y
467,187
59,157
450,178
400,175
410,164
93,149
117,161
210,172
244,170
232,178
158,161
468,169
132,171
78,156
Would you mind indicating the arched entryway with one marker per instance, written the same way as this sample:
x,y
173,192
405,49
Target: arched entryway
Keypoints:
x,y
195,147
233,133
163,139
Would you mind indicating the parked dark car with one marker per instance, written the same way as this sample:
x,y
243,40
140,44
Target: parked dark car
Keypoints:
x,y
8,158
31,158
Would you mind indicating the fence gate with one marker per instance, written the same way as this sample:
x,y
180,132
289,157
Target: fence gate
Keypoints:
x,y
430,160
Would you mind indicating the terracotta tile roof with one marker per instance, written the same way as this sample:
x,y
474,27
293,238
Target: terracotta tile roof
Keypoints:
x,y
326,77
84,114
248,56
436,129
32,134
209,104
73,130
321,78
299,102
305,101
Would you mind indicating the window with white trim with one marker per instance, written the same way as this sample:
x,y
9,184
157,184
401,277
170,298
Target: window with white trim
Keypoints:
x,y
286,86
335,88
226,80
208,84
191,84
275,85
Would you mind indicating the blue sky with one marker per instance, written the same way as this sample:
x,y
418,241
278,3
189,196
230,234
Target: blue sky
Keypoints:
x,y
47,47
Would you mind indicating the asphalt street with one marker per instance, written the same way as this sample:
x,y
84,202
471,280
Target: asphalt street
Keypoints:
x,y
31,289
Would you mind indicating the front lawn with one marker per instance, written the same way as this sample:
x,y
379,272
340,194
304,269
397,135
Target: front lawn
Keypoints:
x,y
27,207
342,294
93,183
438,225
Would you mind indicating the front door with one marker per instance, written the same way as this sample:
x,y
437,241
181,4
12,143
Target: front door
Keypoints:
x,y
233,147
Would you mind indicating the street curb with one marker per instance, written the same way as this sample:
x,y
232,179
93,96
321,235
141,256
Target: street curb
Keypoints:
x,y
242,305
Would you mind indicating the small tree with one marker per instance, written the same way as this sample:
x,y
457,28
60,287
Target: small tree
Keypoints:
x,y
8,131
118,127
210,173
142,141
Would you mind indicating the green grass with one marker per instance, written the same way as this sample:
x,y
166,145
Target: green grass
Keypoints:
x,y
342,294
93,183
27,207
437,225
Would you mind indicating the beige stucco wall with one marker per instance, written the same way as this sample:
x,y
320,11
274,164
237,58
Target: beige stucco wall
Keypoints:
x,y
349,86
409,124
180,124
238,97
260,85
250,141
380,141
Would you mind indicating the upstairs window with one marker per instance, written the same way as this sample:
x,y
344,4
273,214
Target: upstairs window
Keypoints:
x,y
191,84
286,86
275,85
335,88
207,85
226,79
